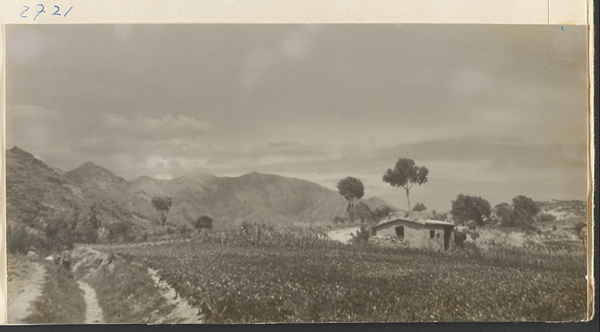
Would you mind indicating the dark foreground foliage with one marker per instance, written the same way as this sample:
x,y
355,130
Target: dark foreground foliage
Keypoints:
x,y
263,274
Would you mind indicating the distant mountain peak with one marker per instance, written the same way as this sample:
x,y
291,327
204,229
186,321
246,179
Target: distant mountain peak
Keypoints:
x,y
91,170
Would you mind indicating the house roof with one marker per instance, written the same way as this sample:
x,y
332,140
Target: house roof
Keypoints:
x,y
394,216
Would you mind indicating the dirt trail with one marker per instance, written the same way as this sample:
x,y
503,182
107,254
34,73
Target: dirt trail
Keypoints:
x,y
24,288
183,313
93,312
343,235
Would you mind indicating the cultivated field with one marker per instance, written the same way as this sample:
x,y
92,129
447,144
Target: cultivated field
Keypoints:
x,y
265,274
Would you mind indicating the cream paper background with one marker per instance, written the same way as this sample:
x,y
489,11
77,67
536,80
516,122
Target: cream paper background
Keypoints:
x,y
561,12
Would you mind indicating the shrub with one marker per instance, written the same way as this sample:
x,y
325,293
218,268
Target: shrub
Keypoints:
x,y
203,222
362,235
19,238
521,214
470,208
545,217
419,207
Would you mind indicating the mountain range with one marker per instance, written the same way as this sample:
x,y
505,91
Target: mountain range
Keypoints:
x,y
37,193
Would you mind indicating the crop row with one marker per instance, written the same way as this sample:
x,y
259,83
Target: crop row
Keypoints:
x,y
241,279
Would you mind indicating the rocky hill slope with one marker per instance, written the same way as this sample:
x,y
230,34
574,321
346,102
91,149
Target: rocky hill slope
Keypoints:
x,y
38,196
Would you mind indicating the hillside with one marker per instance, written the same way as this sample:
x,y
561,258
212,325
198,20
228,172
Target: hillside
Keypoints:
x,y
253,197
45,209
43,202
101,186
34,191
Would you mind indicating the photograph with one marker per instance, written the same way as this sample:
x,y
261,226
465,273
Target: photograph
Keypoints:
x,y
296,173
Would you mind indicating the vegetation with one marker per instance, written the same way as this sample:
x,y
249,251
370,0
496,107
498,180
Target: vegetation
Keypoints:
x,y
525,209
126,294
203,222
61,301
470,208
419,207
351,188
162,205
259,273
521,214
406,174
545,217
362,235
382,212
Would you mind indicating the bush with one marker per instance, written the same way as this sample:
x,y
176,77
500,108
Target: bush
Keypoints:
x,y
203,222
419,207
363,212
470,208
382,212
362,235
19,238
521,214
545,217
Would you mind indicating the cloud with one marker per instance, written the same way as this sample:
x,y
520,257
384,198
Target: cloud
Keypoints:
x,y
280,144
167,127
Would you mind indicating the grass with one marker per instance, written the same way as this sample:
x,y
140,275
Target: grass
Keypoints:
x,y
127,294
61,301
254,276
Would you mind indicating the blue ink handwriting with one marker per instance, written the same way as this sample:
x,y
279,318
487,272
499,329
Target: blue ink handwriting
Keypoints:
x,y
42,10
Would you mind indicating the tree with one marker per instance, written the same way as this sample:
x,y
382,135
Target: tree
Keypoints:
x,y
520,214
419,207
466,208
525,209
204,222
351,188
506,213
162,205
363,212
406,174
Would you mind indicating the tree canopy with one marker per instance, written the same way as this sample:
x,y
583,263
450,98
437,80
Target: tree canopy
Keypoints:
x,y
163,205
466,208
351,188
520,214
406,174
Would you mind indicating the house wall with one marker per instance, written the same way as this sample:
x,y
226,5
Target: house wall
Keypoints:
x,y
418,235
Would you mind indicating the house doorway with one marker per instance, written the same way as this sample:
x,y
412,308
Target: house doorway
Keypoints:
x,y
447,232
400,232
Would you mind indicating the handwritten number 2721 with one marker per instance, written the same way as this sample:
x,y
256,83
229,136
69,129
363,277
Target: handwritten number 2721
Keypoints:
x,y
56,12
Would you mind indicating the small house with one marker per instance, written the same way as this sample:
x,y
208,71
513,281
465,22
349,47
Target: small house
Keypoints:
x,y
417,233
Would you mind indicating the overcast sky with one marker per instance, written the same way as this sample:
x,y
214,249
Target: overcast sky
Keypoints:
x,y
494,111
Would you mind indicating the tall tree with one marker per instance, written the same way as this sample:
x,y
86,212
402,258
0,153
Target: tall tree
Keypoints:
x,y
406,174
351,188
162,205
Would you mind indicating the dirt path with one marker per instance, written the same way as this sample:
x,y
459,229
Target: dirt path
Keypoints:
x,y
183,313
343,235
24,287
93,312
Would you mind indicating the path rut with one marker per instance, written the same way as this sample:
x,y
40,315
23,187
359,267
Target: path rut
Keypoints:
x,y
183,313
93,312
28,288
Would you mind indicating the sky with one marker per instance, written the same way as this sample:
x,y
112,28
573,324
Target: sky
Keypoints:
x,y
491,110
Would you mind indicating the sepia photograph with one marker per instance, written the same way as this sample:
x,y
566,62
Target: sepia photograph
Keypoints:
x,y
296,173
